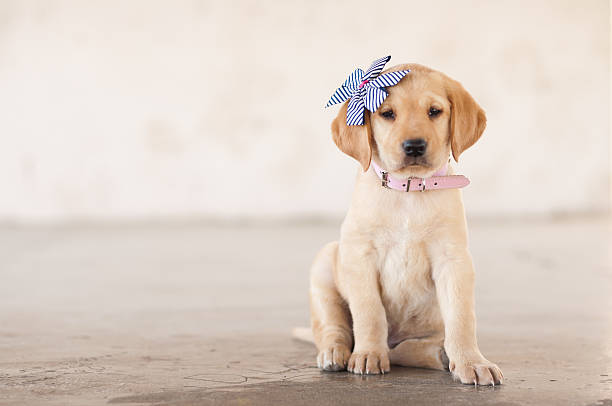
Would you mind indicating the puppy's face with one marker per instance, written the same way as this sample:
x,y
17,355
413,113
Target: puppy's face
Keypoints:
x,y
411,129
424,118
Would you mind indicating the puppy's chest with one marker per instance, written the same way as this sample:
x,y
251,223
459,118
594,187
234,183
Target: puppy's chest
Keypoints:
x,y
407,288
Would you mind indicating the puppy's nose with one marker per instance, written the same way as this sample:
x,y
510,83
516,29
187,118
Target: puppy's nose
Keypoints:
x,y
414,147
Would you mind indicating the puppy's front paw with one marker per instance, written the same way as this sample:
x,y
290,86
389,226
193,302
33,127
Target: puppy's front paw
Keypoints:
x,y
480,372
369,362
333,358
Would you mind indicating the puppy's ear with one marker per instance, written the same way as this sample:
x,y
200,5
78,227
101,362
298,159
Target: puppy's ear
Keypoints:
x,y
468,120
353,140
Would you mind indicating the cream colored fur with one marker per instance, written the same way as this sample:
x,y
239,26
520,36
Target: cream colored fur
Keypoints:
x,y
398,286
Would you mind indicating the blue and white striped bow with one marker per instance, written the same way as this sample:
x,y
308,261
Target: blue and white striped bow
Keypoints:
x,y
365,90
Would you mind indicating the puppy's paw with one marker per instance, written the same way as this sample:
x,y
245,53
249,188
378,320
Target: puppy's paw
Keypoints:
x,y
333,358
369,362
480,372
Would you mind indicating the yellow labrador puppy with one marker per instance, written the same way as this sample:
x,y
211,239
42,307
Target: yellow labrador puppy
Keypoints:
x,y
398,287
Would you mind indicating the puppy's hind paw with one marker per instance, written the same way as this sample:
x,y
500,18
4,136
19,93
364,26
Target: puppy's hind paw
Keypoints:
x,y
334,358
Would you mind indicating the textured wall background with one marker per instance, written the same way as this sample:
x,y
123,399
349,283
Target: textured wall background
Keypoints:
x,y
128,109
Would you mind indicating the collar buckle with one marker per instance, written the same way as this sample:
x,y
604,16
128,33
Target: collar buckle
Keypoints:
x,y
422,183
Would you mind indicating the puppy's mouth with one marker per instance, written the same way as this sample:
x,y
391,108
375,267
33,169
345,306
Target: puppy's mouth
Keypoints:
x,y
413,166
415,162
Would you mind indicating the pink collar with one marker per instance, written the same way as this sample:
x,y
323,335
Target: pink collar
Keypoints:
x,y
438,180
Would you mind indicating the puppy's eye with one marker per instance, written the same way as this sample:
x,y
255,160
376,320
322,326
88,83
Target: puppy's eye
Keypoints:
x,y
388,114
434,112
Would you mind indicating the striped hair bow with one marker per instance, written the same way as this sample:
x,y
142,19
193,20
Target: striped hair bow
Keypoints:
x,y
365,89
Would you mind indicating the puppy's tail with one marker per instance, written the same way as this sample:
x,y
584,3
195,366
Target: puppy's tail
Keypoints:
x,y
303,334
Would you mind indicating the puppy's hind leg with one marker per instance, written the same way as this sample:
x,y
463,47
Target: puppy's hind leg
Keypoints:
x,y
426,352
329,313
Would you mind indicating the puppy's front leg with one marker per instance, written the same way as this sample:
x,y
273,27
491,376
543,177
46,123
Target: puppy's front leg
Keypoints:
x,y
453,274
358,281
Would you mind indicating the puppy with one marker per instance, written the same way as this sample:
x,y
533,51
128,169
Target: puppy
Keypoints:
x,y
398,287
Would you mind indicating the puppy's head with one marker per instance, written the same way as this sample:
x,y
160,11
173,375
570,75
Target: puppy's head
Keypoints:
x,y
425,117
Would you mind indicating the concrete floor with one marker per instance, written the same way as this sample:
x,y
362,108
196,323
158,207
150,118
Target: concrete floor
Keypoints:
x,y
177,314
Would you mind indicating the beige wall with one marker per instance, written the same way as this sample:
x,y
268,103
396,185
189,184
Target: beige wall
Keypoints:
x,y
119,109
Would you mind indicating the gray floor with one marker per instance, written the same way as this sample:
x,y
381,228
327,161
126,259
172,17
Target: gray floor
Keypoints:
x,y
192,314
